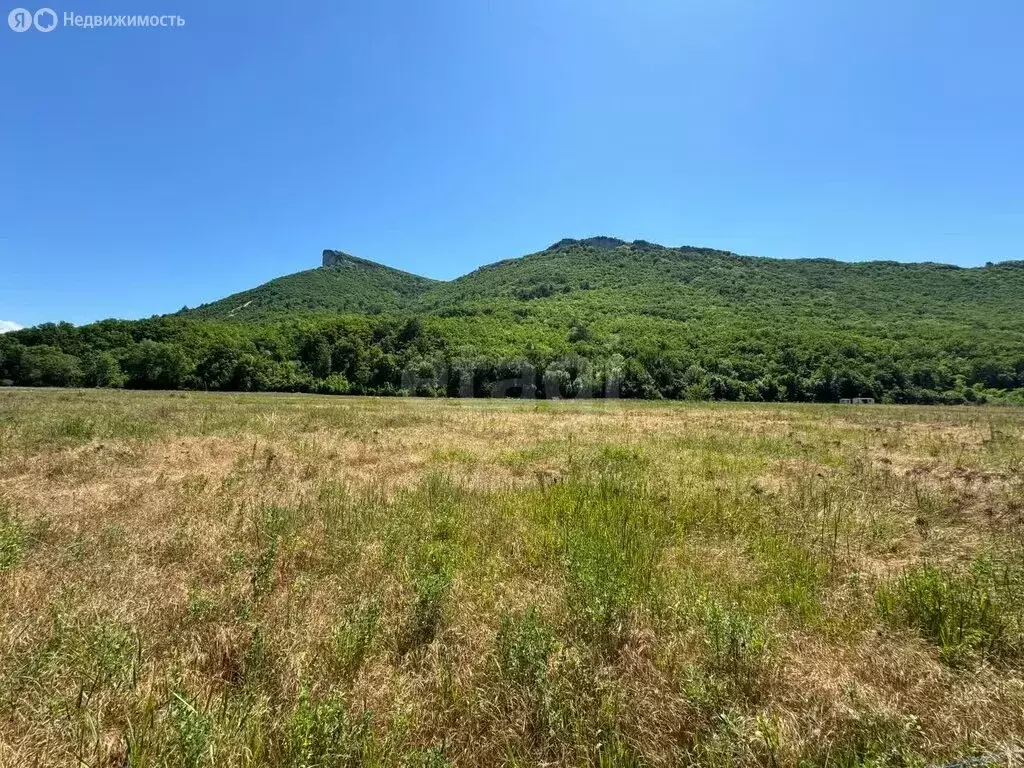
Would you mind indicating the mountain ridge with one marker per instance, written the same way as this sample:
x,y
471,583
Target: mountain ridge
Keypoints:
x,y
591,315
343,283
403,291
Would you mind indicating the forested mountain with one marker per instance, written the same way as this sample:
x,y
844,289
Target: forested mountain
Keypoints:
x,y
581,318
343,284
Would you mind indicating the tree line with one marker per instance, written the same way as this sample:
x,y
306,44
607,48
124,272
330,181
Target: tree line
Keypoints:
x,y
379,355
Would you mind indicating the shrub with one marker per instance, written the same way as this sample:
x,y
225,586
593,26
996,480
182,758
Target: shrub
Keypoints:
x,y
12,540
74,428
335,384
612,537
427,613
193,732
525,645
737,646
352,640
262,578
322,734
976,612
271,525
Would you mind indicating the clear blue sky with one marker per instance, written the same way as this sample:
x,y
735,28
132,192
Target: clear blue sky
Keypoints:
x,y
145,169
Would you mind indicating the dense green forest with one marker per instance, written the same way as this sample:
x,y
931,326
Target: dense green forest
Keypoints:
x,y
591,318
348,284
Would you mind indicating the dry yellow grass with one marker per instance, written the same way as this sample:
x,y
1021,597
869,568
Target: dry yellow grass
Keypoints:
x,y
199,579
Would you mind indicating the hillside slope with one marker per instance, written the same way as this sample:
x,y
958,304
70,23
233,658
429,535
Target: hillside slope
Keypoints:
x,y
683,283
599,316
603,276
678,281
344,284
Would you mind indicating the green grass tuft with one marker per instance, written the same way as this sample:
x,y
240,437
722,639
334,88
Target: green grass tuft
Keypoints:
x,y
968,614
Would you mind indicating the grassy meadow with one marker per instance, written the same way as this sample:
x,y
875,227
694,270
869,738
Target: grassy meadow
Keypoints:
x,y
271,580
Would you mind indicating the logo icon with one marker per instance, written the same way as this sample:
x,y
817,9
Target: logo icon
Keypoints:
x,y
20,20
45,19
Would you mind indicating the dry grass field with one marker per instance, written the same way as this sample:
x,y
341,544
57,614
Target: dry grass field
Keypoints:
x,y
219,580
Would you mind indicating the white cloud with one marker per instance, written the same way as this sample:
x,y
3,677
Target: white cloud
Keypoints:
x,y
6,326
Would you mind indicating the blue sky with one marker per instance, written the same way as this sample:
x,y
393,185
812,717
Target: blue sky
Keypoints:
x,y
150,168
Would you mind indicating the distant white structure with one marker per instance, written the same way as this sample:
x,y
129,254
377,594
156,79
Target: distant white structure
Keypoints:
x,y
857,401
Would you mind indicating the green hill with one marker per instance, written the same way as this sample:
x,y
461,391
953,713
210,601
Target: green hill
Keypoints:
x,y
344,284
603,279
595,316
604,276
682,282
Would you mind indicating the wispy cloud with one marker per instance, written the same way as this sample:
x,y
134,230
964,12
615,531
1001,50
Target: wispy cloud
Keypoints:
x,y
6,326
